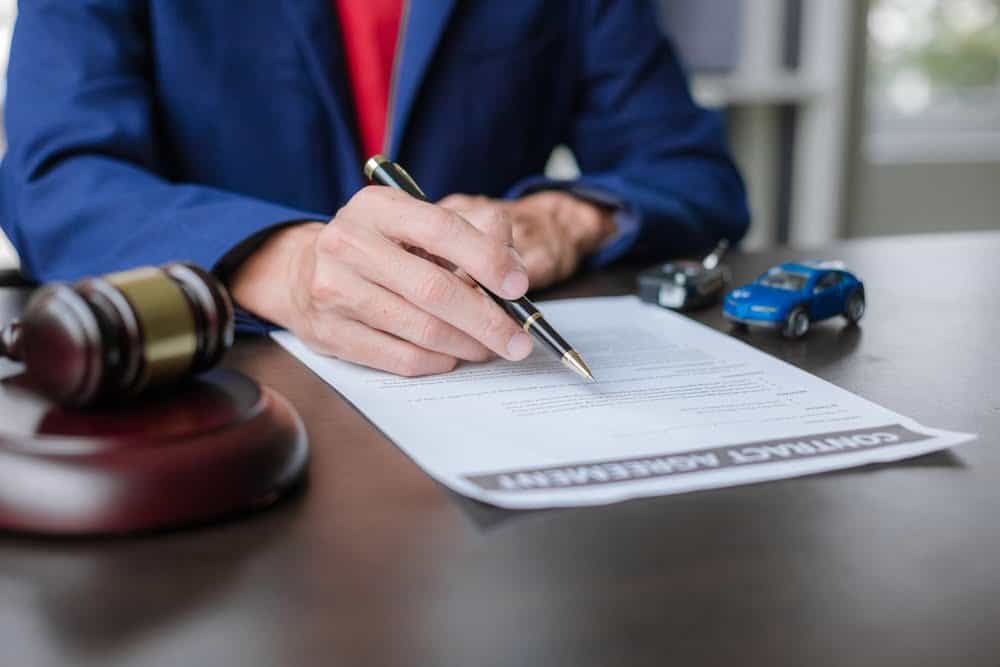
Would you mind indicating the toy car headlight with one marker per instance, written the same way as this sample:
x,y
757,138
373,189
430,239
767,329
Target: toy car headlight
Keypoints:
x,y
671,296
763,309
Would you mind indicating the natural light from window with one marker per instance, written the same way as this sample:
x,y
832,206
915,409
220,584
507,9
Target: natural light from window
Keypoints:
x,y
934,77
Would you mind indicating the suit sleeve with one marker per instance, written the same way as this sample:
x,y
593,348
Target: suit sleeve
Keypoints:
x,y
641,140
84,187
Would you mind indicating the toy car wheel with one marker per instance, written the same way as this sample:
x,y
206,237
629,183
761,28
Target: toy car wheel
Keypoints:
x,y
797,323
855,308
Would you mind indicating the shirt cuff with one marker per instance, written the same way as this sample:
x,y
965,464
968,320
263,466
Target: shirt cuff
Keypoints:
x,y
628,224
249,324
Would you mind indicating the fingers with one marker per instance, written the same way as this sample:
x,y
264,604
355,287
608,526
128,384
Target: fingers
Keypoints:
x,y
445,296
366,299
485,214
381,309
492,220
538,253
355,342
540,267
487,258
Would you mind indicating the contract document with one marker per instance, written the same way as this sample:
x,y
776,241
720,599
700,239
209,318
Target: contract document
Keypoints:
x,y
677,406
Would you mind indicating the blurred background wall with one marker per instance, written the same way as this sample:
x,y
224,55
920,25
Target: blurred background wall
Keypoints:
x,y
853,118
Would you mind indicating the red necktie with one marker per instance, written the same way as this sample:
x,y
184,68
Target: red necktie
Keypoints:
x,y
370,29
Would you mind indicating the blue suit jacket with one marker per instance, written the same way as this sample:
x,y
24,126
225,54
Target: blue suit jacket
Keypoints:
x,y
143,131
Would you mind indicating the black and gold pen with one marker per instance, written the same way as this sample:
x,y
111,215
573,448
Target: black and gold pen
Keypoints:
x,y
380,169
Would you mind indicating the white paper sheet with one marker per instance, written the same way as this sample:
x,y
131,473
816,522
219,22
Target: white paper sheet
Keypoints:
x,y
677,407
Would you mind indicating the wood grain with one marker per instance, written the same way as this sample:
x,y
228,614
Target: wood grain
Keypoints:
x,y
377,565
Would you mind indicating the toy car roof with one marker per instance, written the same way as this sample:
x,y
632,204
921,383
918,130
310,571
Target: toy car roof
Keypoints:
x,y
814,265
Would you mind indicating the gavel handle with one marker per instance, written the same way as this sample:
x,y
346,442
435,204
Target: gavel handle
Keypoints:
x,y
10,341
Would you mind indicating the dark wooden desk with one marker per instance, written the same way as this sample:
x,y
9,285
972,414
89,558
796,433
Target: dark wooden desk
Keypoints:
x,y
376,565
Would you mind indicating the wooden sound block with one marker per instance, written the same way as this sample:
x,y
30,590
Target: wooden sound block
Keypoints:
x,y
218,445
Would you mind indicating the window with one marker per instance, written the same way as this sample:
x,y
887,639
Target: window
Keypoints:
x,y
828,281
786,280
934,79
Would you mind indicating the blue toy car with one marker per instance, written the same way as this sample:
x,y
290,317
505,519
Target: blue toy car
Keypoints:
x,y
791,296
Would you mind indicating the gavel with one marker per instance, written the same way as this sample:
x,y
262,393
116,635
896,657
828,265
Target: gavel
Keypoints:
x,y
116,336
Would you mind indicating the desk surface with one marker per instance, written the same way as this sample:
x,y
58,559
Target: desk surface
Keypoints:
x,y
375,564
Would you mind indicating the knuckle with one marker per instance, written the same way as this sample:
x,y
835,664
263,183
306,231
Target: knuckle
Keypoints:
x,y
455,201
499,221
323,291
353,306
365,196
437,290
495,222
335,240
439,225
431,333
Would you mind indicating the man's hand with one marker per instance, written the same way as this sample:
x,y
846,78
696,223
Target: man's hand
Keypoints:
x,y
553,230
352,289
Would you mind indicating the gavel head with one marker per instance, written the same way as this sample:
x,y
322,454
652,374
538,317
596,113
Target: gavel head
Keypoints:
x,y
117,335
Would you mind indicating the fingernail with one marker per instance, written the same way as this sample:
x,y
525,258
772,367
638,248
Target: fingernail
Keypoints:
x,y
519,346
514,285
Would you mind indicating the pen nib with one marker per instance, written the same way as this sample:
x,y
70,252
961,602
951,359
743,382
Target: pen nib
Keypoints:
x,y
574,362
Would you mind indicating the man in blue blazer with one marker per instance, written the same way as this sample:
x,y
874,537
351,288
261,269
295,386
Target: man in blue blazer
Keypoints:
x,y
225,133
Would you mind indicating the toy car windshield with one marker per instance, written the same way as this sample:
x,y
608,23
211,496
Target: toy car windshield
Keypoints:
x,y
785,280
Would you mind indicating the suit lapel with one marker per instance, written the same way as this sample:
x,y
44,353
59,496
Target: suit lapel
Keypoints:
x,y
317,31
425,24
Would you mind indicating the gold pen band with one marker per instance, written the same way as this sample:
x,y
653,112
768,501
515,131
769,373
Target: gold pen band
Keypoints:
x,y
373,163
531,320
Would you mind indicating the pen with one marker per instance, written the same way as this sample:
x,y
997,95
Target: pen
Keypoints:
x,y
380,169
